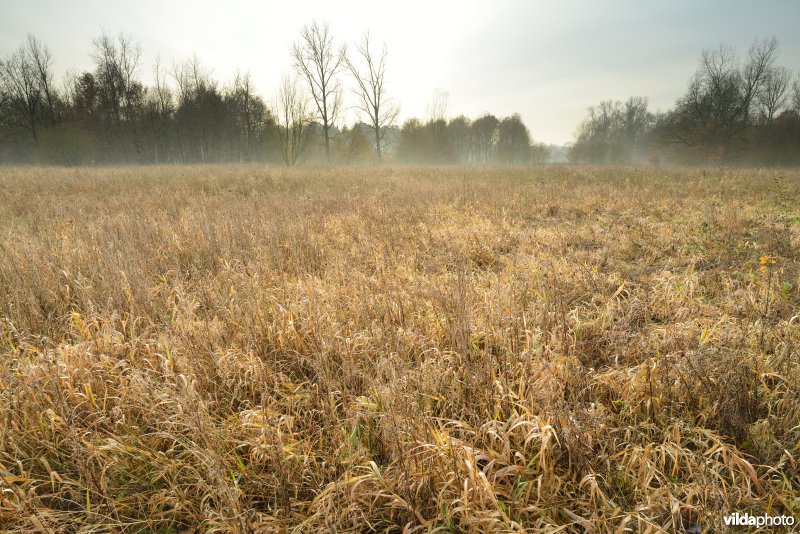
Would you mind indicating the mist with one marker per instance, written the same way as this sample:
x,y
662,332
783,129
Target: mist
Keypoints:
x,y
121,102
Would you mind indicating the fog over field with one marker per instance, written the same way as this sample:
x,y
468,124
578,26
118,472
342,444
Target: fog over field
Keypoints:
x,y
438,267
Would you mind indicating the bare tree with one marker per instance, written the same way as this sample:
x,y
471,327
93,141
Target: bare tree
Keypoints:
x,y
796,94
28,96
774,92
19,84
291,110
612,131
162,93
718,107
748,80
484,135
762,55
117,63
513,140
691,122
371,91
249,108
191,78
4,98
319,62
437,107
635,123
160,110
42,62
458,132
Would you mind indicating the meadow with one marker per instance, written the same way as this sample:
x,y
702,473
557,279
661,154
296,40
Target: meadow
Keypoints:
x,y
398,349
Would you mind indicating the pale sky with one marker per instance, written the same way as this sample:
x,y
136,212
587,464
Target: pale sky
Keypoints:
x,y
548,61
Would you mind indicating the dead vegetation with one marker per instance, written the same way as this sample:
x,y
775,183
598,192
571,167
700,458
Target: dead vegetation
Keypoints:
x,y
239,349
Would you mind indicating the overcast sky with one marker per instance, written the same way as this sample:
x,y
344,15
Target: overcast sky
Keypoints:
x,y
548,61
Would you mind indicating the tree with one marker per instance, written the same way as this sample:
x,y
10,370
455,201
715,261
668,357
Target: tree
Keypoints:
x,y
458,133
409,146
437,107
796,94
354,146
117,62
121,97
612,132
371,91
29,97
201,116
595,134
159,112
540,153
484,134
717,109
251,116
513,140
85,97
319,62
42,62
636,121
426,143
23,95
773,92
291,110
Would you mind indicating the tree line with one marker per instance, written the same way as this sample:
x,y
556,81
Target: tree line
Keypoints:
x,y
736,109
108,115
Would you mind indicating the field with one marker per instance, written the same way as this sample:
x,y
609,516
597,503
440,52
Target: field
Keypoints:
x,y
249,349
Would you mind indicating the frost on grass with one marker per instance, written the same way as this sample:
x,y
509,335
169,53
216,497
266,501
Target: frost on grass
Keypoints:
x,y
489,350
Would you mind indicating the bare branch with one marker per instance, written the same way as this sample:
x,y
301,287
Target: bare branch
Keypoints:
x,y
291,111
318,61
380,110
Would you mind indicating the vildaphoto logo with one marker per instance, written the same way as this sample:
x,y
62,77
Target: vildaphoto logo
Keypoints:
x,y
747,520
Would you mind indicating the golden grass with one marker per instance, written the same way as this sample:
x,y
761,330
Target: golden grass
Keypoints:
x,y
240,349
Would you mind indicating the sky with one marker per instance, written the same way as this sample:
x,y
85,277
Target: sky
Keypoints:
x,y
548,61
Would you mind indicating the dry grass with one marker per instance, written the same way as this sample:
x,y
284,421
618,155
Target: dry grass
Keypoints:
x,y
422,350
